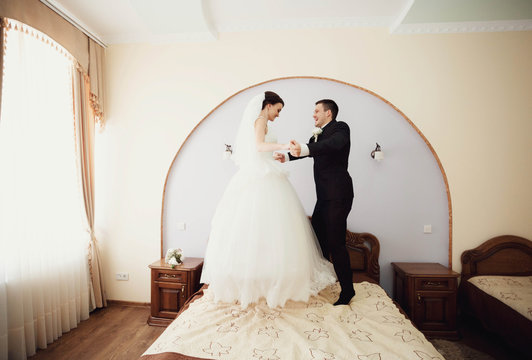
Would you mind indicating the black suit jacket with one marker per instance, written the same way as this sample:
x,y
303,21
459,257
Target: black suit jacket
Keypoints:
x,y
331,155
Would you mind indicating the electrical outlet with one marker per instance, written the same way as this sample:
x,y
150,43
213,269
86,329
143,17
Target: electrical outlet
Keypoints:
x,y
122,276
181,226
427,229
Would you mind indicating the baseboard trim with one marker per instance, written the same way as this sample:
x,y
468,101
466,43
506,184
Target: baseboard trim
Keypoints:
x,y
128,303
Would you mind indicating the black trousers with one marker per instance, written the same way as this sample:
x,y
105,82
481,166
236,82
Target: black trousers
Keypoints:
x,y
329,221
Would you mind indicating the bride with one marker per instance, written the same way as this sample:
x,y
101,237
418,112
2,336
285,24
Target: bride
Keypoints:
x,y
261,243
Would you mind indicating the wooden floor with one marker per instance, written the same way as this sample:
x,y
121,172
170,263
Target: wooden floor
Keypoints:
x,y
121,332
115,332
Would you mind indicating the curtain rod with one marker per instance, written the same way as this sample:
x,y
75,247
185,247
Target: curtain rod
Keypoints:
x,y
72,21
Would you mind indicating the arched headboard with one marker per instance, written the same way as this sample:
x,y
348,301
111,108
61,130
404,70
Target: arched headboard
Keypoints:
x,y
501,255
364,250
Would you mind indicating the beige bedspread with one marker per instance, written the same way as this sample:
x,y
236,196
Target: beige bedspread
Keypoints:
x,y
514,291
371,328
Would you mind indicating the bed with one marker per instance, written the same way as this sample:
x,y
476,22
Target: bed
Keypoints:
x,y
496,288
372,327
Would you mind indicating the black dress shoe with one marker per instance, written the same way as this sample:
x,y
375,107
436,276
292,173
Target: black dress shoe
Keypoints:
x,y
344,299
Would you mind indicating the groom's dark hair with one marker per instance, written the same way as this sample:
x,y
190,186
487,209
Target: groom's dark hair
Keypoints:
x,y
329,104
271,98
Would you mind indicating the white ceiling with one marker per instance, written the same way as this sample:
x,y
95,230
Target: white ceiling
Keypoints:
x,y
135,21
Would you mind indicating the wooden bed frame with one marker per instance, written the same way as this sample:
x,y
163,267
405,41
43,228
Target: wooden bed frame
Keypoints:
x,y
364,250
503,255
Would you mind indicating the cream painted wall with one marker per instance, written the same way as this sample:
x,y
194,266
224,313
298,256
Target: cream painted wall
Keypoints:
x,y
470,95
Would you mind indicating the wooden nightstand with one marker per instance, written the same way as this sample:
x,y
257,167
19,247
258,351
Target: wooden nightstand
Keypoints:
x,y
170,288
427,293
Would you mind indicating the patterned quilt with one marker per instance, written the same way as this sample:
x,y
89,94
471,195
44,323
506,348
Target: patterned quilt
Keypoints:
x,y
514,291
371,328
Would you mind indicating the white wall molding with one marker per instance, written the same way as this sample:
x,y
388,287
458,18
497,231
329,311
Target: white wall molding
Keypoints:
x,y
464,27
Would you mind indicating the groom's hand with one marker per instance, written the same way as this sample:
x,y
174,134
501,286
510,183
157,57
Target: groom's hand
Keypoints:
x,y
295,148
279,157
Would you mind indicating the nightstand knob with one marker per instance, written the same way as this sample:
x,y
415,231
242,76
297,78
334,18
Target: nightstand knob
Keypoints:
x,y
418,298
183,291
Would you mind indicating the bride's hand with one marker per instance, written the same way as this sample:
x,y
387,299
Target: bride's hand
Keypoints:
x,y
279,157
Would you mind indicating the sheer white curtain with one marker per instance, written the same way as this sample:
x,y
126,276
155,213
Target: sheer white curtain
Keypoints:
x,y
43,247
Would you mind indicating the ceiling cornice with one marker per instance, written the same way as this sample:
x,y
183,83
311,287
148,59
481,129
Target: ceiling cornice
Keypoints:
x,y
464,27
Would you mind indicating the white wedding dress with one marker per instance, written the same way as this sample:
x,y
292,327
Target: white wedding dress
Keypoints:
x,y
261,243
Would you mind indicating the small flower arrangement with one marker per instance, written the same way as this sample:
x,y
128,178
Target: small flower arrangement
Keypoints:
x,y
317,131
174,257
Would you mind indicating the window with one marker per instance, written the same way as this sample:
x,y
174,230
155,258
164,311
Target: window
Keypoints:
x,y
43,245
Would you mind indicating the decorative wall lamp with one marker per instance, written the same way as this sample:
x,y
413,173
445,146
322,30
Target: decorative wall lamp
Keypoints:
x,y
228,152
377,154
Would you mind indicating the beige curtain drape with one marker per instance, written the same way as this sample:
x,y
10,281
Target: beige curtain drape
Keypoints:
x,y
88,98
88,108
84,118
96,59
2,35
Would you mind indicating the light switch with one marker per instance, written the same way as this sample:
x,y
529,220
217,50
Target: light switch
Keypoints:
x,y
427,229
181,226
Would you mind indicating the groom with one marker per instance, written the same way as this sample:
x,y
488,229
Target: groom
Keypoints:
x,y
334,188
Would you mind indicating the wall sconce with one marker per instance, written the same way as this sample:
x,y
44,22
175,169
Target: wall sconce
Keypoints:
x,y
228,152
377,154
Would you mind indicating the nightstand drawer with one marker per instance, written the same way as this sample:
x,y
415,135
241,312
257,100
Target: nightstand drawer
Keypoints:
x,y
170,276
435,284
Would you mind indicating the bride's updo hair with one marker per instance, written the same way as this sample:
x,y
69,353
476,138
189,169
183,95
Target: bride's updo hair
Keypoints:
x,y
271,98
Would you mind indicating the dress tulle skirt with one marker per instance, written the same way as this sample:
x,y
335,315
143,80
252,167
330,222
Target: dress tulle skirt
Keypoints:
x,y
262,244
